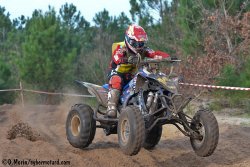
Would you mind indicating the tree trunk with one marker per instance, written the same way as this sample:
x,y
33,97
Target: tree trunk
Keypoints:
x,y
226,35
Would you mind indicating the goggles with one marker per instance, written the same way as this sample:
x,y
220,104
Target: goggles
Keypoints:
x,y
134,43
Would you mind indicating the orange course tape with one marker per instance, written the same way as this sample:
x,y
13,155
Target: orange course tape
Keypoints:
x,y
215,87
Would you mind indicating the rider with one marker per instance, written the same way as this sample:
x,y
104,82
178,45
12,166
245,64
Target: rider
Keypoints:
x,y
123,63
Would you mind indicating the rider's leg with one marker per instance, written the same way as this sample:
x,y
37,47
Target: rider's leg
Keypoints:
x,y
115,84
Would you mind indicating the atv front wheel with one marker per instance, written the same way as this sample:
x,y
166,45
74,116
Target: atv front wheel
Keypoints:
x,y
80,126
131,130
206,125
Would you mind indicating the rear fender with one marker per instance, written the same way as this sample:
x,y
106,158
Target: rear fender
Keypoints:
x,y
98,91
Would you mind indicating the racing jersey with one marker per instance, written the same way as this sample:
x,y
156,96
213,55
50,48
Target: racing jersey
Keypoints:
x,y
120,55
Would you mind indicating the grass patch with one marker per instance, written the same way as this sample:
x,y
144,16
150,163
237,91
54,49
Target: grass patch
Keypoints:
x,y
245,123
236,106
215,106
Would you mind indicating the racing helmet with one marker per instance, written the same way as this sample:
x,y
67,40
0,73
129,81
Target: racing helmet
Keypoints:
x,y
135,38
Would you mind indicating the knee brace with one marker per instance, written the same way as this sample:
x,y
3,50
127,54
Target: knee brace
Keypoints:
x,y
115,82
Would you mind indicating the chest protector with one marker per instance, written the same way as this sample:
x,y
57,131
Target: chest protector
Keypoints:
x,y
124,67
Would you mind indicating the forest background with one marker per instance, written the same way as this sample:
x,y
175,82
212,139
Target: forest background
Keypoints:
x,y
49,50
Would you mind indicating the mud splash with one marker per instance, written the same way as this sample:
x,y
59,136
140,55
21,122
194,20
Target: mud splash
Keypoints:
x,y
22,130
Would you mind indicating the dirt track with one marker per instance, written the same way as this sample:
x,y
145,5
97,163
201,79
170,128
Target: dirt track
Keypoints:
x,y
174,149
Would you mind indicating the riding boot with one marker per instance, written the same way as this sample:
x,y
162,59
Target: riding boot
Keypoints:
x,y
113,99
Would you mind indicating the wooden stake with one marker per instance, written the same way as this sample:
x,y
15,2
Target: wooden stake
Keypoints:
x,y
21,93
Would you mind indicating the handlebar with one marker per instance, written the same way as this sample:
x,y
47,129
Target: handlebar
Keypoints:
x,y
156,61
159,60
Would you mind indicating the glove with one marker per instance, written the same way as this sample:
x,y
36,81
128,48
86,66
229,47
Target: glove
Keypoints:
x,y
133,60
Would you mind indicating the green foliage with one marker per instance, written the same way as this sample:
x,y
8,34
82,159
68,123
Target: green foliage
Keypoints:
x,y
215,106
5,23
235,78
5,28
229,76
71,18
6,78
164,36
230,102
189,20
49,51
103,20
239,78
6,81
47,57
141,11
233,7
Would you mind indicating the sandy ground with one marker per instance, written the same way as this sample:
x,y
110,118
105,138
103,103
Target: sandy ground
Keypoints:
x,y
48,125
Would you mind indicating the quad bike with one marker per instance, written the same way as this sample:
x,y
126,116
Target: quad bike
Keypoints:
x,y
149,101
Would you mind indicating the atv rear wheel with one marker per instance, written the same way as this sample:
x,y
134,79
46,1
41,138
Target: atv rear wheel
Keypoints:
x,y
131,130
80,126
205,124
152,137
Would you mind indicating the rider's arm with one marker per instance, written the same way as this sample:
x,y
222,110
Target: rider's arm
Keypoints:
x,y
118,55
156,54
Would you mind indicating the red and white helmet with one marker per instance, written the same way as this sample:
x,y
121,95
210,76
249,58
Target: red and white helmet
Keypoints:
x,y
135,38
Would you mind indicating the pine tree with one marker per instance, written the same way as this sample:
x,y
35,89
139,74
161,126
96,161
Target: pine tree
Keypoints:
x,y
47,58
